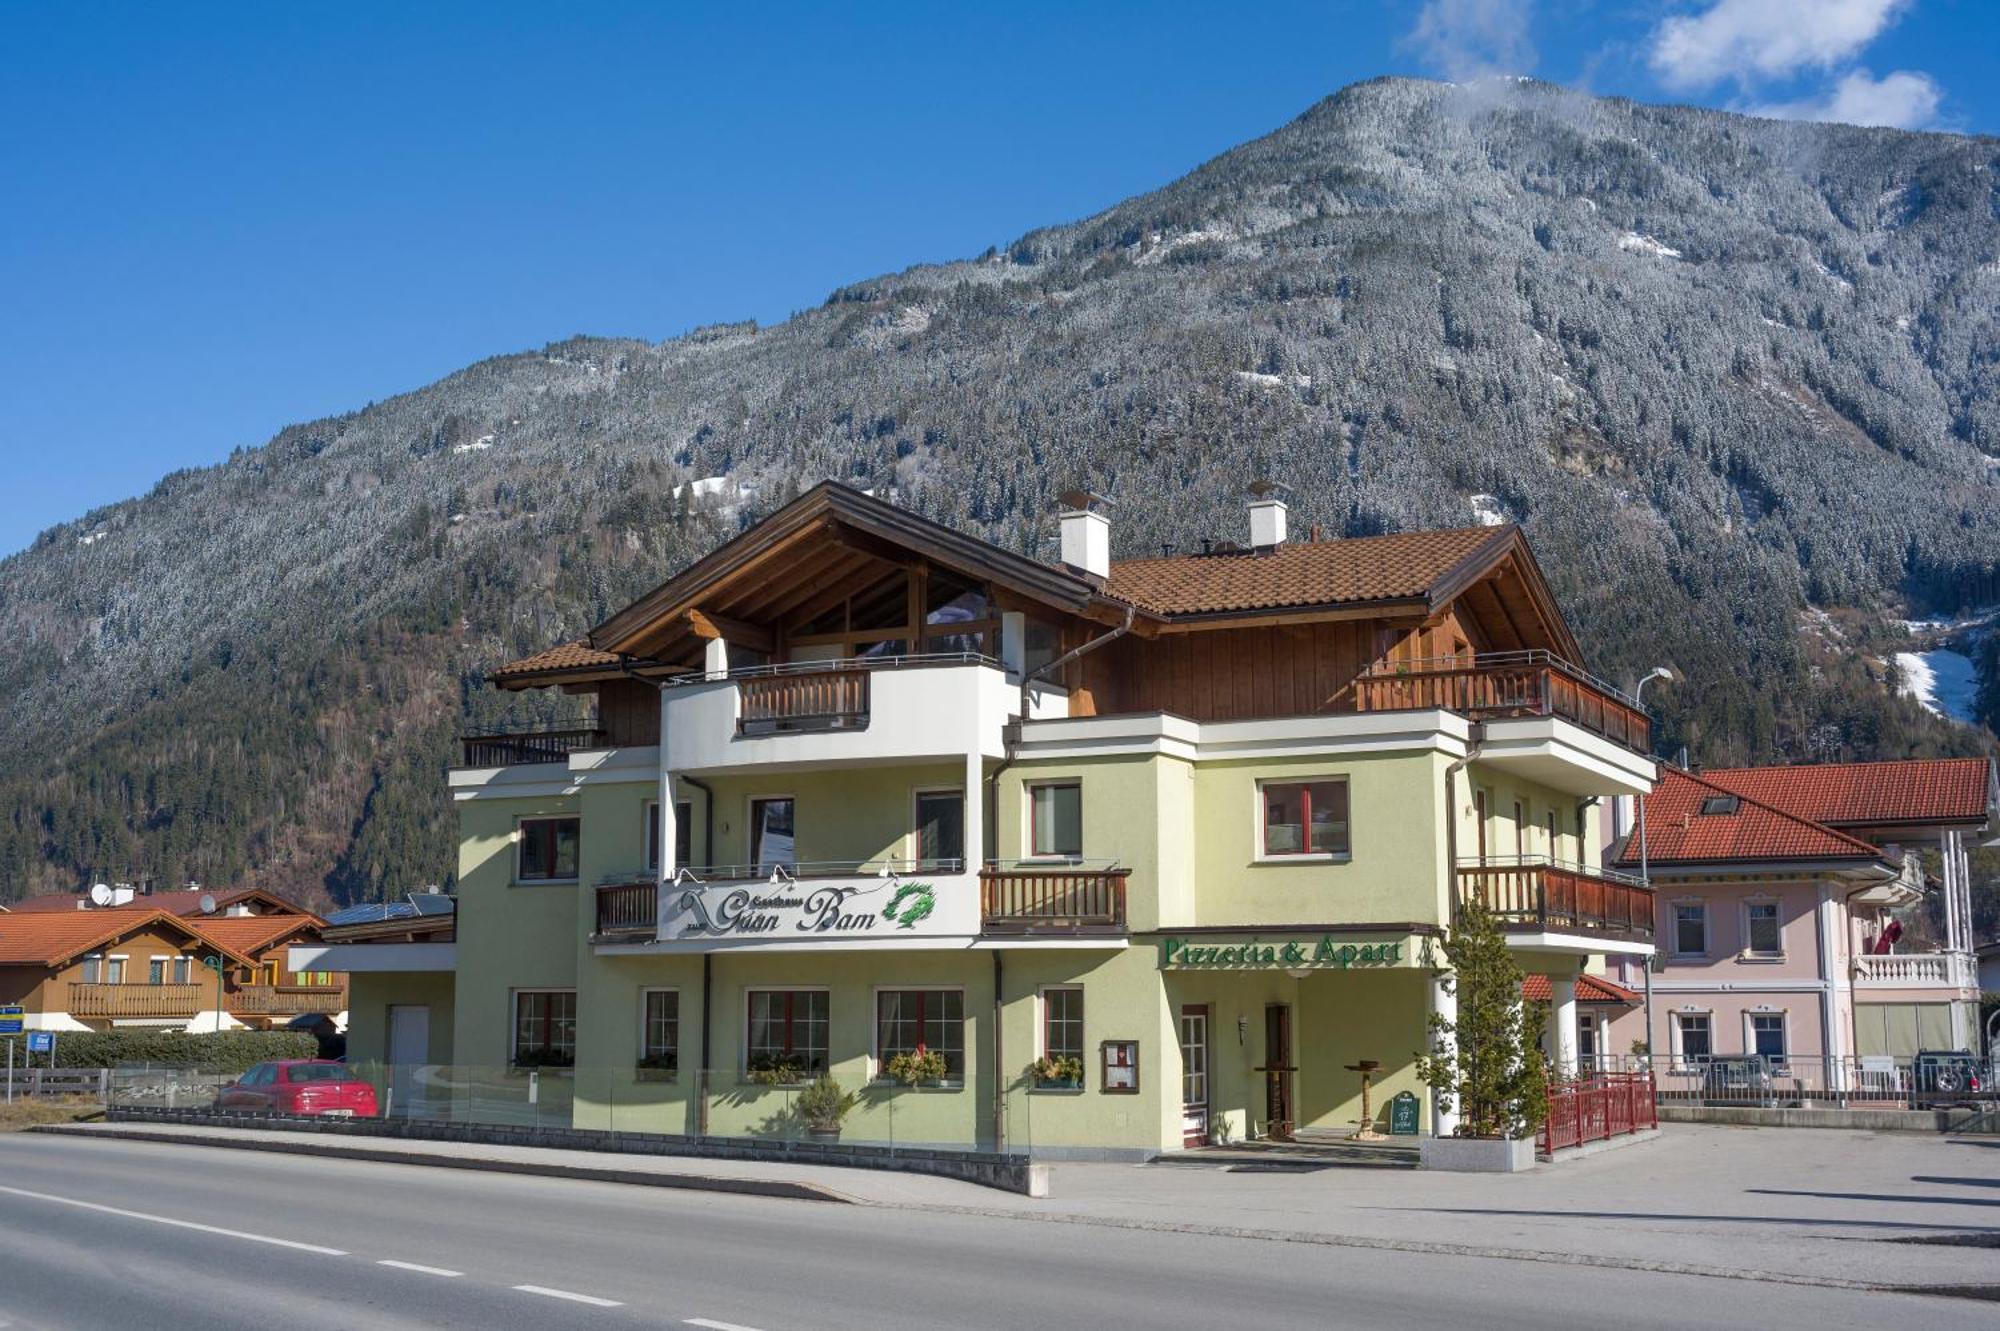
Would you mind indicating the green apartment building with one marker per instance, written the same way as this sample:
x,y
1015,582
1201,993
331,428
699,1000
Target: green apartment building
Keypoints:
x,y
1151,852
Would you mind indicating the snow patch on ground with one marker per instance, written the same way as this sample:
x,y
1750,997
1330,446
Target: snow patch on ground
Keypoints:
x,y
1634,243
1161,246
1488,511
1274,380
1902,323
1832,276
92,538
1945,682
482,442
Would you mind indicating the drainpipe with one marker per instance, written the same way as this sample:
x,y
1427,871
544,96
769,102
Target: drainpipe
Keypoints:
x,y
1451,771
1052,667
999,1059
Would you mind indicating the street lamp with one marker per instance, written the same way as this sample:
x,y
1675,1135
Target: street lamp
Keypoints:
x,y
1645,873
214,963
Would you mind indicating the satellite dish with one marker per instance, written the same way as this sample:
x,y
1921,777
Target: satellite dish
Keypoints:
x,y
207,903
100,894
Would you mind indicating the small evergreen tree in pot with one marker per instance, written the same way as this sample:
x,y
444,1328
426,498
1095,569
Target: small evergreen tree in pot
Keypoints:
x,y
1487,1062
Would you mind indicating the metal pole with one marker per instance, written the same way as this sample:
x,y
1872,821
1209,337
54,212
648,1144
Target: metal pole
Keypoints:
x,y
1646,876
10,1069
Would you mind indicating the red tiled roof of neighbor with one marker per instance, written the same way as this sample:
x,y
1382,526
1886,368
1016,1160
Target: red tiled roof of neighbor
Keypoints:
x,y
44,938
1589,989
1913,790
1360,569
250,934
1678,832
174,903
576,655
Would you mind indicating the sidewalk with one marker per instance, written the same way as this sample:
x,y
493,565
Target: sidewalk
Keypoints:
x,y
1816,1208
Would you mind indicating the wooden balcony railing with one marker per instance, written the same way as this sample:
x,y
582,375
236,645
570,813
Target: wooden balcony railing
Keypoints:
x,y
1054,900
832,699
533,746
287,1000
1546,895
628,910
1503,685
136,1000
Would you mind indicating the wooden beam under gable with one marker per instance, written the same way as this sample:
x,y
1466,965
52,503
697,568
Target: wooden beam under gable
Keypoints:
x,y
708,626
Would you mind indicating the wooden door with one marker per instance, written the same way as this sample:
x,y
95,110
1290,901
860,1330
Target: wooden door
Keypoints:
x,y
1194,1075
1278,1072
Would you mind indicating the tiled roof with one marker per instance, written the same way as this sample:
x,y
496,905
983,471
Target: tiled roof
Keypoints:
x,y
249,934
41,938
577,655
1589,989
1365,568
1678,832
1914,790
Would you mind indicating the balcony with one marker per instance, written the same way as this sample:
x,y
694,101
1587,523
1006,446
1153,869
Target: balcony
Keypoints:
x,y
1504,685
1916,970
874,903
136,1000
1041,899
526,747
1542,896
286,1000
854,710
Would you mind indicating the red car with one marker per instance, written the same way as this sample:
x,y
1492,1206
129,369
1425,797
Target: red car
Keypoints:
x,y
308,1086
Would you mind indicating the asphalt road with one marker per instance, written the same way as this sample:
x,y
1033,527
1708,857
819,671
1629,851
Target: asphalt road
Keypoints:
x,y
107,1233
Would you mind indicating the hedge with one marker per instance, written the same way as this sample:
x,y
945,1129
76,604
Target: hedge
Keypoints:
x,y
228,1052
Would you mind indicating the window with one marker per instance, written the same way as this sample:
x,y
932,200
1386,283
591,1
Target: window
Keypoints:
x,y
1520,833
1551,849
660,1040
683,834
545,1028
156,971
1305,817
184,970
1718,804
548,850
771,841
933,1019
1586,1039
1761,929
1767,1036
1041,645
940,829
1695,1046
1062,1023
1690,929
93,969
114,970
1056,819
787,1032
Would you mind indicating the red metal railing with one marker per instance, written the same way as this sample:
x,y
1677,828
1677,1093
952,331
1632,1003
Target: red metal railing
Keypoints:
x,y
1551,895
1057,900
829,698
1597,1108
628,908
533,746
1507,684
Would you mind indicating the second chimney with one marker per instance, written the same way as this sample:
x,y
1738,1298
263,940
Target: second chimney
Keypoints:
x,y
1086,533
1267,515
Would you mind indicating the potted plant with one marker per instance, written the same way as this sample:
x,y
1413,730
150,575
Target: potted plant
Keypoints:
x,y
765,1070
821,1106
1487,1061
1057,1072
916,1067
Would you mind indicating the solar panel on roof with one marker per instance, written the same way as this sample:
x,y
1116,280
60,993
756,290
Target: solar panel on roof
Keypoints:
x,y
432,903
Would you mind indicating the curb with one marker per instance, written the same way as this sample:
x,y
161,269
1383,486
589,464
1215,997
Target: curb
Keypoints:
x,y
807,1192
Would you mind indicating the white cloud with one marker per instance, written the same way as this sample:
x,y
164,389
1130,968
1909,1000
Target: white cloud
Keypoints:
x,y
1901,100
1470,39
1746,40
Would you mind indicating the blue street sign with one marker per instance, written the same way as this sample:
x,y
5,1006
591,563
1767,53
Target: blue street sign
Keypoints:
x,y
41,1042
10,1020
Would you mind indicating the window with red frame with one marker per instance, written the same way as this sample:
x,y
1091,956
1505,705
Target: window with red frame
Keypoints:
x,y
1305,818
549,849
544,1028
788,1029
932,1018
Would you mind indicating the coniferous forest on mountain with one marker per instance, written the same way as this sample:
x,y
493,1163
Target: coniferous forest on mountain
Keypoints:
x,y
1738,379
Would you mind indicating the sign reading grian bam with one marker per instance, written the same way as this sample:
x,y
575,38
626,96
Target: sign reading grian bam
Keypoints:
x,y
796,910
1327,953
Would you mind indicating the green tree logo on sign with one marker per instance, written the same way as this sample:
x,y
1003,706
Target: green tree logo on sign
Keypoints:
x,y
921,902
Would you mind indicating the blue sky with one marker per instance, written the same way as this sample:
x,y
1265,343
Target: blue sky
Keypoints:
x,y
221,219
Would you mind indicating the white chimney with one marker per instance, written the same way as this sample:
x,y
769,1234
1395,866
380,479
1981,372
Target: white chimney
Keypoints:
x,y
122,895
1267,515
1086,534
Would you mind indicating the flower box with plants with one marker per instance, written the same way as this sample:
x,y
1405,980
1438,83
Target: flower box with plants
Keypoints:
x,y
764,1070
657,1067
916,1067
544,1060
1057,1072
1486,1062
821,1107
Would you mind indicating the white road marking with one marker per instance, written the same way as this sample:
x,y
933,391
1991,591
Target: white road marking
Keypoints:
x,y
590,1299
178,1224
717,1326
420,1270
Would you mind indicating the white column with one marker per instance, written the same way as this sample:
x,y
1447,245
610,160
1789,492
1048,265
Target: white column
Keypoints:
x,y
1837,993
1443,1003
1014,642
1562,1022
715,657
975,812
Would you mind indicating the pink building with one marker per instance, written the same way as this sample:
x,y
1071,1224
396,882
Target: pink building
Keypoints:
x,y
1782,894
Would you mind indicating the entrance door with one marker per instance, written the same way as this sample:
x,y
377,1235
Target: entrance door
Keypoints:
x,y
1278,1072
409,1049
1194,1076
